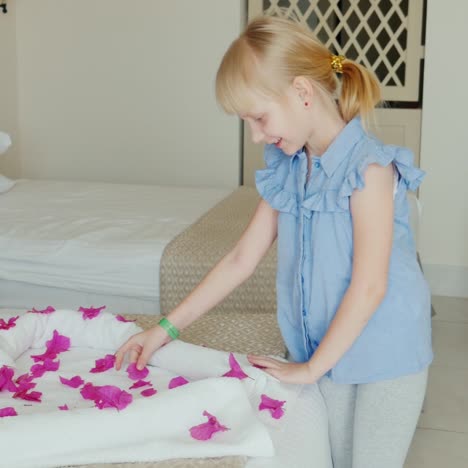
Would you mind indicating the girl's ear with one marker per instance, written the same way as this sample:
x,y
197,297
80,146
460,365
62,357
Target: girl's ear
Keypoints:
x,y
303,88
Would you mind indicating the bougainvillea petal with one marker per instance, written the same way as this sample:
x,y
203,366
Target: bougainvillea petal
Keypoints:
x,y
140,383
121,318
10,324
8,411
236,370
106,396
47,310
149,392
64,408
58,344
177,382
135,374
25,382
112,397
90,312
103,364
24,395
274,406
6,379
74,382
258,366
38,370
206,430
89,392
44,356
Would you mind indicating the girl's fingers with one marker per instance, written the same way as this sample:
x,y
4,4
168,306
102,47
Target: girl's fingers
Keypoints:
x,y
135,352
264,361
119,355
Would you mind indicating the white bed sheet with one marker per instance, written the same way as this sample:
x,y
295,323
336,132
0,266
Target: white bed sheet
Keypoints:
x,y
24,296
94,238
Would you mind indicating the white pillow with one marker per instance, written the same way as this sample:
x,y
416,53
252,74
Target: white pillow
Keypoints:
x,y
6,184
5,142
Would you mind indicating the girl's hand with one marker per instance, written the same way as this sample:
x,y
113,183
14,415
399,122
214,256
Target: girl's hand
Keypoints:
x,y
288,372
141,346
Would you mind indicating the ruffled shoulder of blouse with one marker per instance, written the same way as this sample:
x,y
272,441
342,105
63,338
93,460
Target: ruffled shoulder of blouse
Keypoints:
x,y
271,181
383,155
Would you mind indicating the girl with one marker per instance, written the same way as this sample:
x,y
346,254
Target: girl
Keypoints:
x,y
353,305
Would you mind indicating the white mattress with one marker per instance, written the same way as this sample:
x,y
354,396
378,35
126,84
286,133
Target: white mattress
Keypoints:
x,y
101,239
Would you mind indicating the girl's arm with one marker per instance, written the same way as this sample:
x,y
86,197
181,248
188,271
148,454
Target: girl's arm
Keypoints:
x,y
232,270
229,272
372,213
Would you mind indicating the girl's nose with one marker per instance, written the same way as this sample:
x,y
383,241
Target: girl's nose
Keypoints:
x,y
257,134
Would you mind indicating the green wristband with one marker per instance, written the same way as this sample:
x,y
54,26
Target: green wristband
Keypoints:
x,y
171,330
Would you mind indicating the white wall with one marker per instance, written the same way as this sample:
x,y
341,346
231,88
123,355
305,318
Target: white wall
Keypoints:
x,y
9,162
444,149
123,91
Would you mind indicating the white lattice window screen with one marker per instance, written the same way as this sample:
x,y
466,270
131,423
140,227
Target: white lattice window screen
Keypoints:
x,y
383,35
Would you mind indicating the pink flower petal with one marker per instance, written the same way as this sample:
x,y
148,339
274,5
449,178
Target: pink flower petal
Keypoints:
x,y
112,397
206,430
10,324
274,406
25,382
89,392
236,370
140,383
106,396
135,374
38,370
24,395
177,382
121,318
90,312
8,411
74,382
103,364
64,407
149,392
58,344
44,356
258,366
6,379
47,310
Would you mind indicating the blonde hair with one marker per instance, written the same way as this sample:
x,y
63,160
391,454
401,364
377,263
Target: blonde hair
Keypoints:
x,y
272,51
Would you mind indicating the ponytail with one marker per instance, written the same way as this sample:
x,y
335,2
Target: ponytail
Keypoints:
x,y
360,91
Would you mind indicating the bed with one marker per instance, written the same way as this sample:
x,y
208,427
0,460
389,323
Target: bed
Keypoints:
x,y
75,243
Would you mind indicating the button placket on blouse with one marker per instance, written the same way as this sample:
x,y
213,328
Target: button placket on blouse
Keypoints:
x,y
302,182
309,181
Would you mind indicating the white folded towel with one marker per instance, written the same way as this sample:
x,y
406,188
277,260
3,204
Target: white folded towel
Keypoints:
x,y
152,428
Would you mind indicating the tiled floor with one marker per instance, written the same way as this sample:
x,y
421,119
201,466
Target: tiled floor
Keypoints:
x,y
441,439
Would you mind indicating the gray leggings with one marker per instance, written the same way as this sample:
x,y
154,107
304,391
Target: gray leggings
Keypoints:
x,y
372,425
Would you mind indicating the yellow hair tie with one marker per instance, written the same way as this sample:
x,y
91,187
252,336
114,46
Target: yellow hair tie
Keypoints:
x,y
337,63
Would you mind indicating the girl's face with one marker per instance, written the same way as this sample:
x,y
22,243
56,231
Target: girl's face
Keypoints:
x,y
281,122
